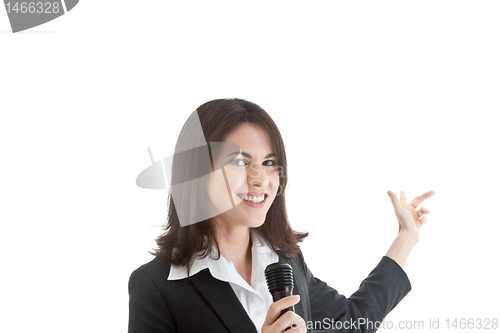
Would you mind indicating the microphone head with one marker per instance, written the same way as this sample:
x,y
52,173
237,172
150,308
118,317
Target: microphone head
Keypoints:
x,y
279,277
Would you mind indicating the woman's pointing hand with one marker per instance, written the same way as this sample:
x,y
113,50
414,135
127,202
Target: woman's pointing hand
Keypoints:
x,y
410,219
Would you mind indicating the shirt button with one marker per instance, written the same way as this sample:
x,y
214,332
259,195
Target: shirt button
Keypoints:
x,y
257,313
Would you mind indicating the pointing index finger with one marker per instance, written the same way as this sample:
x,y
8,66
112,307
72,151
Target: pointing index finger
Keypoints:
x,y
418,200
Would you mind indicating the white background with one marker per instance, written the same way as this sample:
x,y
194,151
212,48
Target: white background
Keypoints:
x,y
368,96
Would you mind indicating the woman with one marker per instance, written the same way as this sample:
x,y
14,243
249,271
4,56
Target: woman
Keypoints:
x,y
227,221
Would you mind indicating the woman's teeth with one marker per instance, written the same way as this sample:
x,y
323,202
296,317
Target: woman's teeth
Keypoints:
x,y
253,199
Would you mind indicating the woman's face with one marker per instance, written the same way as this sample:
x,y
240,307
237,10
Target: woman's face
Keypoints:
x,y
252,176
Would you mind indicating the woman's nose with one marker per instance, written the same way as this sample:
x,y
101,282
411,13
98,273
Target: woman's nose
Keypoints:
x,y
257,176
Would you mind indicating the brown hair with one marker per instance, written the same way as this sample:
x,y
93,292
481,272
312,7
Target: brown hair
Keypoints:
x,y
218,118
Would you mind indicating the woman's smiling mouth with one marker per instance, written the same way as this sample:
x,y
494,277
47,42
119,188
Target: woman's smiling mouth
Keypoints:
x,y
253,197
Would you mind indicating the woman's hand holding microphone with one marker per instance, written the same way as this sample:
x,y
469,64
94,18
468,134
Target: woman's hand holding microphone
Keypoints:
x,y
276,324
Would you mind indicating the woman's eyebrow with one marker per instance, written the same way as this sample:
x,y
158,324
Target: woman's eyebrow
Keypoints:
x,y
248,155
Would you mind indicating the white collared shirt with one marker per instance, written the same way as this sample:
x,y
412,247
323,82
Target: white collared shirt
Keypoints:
x,y
255,298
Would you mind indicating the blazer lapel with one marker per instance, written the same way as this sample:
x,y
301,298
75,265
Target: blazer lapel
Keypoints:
x,y
222,299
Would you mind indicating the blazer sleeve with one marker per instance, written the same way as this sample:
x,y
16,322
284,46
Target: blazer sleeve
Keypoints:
x,y
377,295
148,311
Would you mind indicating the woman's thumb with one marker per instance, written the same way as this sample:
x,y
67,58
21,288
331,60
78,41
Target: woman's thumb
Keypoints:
x,y
393,197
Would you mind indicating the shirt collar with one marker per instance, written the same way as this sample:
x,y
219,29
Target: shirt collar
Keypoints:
x,y
223,269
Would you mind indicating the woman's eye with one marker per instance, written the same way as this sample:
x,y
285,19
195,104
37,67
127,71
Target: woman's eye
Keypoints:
x,y
238,162
241,162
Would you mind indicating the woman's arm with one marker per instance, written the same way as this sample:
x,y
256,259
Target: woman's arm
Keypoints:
x,y
385,286
401,247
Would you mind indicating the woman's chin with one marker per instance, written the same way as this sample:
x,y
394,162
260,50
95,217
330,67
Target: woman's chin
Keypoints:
x,y
255,223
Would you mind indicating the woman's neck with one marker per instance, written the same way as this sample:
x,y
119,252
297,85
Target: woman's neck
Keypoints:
x,y
235,245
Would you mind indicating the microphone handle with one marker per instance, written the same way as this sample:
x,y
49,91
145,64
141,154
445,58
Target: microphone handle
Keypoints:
x,y
279,295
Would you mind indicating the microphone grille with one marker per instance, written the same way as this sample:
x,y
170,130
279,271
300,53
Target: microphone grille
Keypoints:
x,y
279,276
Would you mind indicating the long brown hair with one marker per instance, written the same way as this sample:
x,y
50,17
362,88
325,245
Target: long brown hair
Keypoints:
x,y
218,118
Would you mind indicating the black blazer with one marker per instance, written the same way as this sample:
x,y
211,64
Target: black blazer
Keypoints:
x,y
205,304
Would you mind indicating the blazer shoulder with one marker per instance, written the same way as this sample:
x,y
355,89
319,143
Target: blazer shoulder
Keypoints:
x,y
150,302
157,268
285,256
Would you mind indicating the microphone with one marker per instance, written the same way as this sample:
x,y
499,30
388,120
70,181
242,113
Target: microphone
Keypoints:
x,y
279,278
